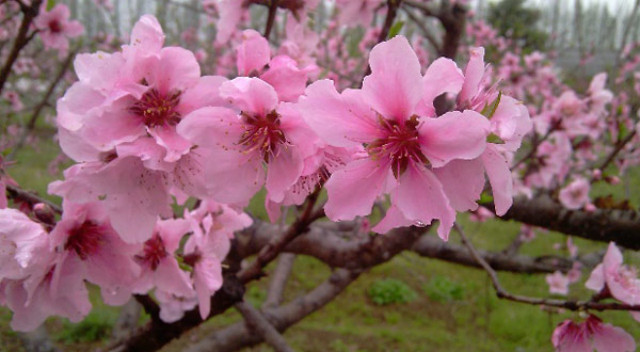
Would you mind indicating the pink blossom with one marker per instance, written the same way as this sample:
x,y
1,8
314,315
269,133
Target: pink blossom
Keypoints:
x,y
172,307
205,251
558,283
39,296
24,244
55,27
256,130
402,147
622,281
159,265
589,335
90,248
576,194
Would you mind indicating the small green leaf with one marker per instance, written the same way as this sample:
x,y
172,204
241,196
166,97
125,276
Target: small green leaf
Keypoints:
x,y
485,198
493,138
50,4
490,109
395,29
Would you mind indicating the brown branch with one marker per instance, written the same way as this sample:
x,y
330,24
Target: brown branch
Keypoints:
x,y
237,336
155,334
331,246
28,14
619,146
279,280
273,9
432,247
392,11
425,31
256,322
127,320
273,248
17,193
504,294
604,225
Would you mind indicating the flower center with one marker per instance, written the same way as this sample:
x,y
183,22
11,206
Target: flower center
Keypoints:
x,y
157,109
85,239
262,134
153,252
399,146
55,27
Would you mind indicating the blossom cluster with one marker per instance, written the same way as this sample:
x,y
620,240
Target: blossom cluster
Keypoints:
x,y
147,130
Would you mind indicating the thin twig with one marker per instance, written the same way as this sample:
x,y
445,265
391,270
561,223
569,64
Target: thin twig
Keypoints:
x,y
425,31
392,11
504,294
273,9
28,14
619,146
257,322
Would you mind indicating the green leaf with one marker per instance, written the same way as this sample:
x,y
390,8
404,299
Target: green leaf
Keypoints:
x,y
395,29
50,4
485,198
493,138
490,109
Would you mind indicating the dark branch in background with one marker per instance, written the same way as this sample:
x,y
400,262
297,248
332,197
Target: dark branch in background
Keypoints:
x,y
256,322
392,11
336,250
279,279
425,31
273,9
604,225
504,294
155,334
43,103
19,194
237,336
619,146
453,19
29,12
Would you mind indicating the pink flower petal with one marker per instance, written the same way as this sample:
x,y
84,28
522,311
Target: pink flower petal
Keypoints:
x,y
454,135
251,95
421,198
442,76
463,182
341,120
393,64
353,189
253,54
500,178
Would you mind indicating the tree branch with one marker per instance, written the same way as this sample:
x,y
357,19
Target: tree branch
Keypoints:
x,y
604,225
15,192
256,322
237,336
504,294
271,250
28,14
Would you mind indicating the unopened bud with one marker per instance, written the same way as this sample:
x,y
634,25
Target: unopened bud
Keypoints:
x,y
44,213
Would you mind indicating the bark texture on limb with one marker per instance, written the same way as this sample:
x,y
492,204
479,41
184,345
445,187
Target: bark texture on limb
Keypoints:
x,y
237,336
326,245
604,225
256,322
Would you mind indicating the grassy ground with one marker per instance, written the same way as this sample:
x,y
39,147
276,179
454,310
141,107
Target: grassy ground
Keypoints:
x,y
449,308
